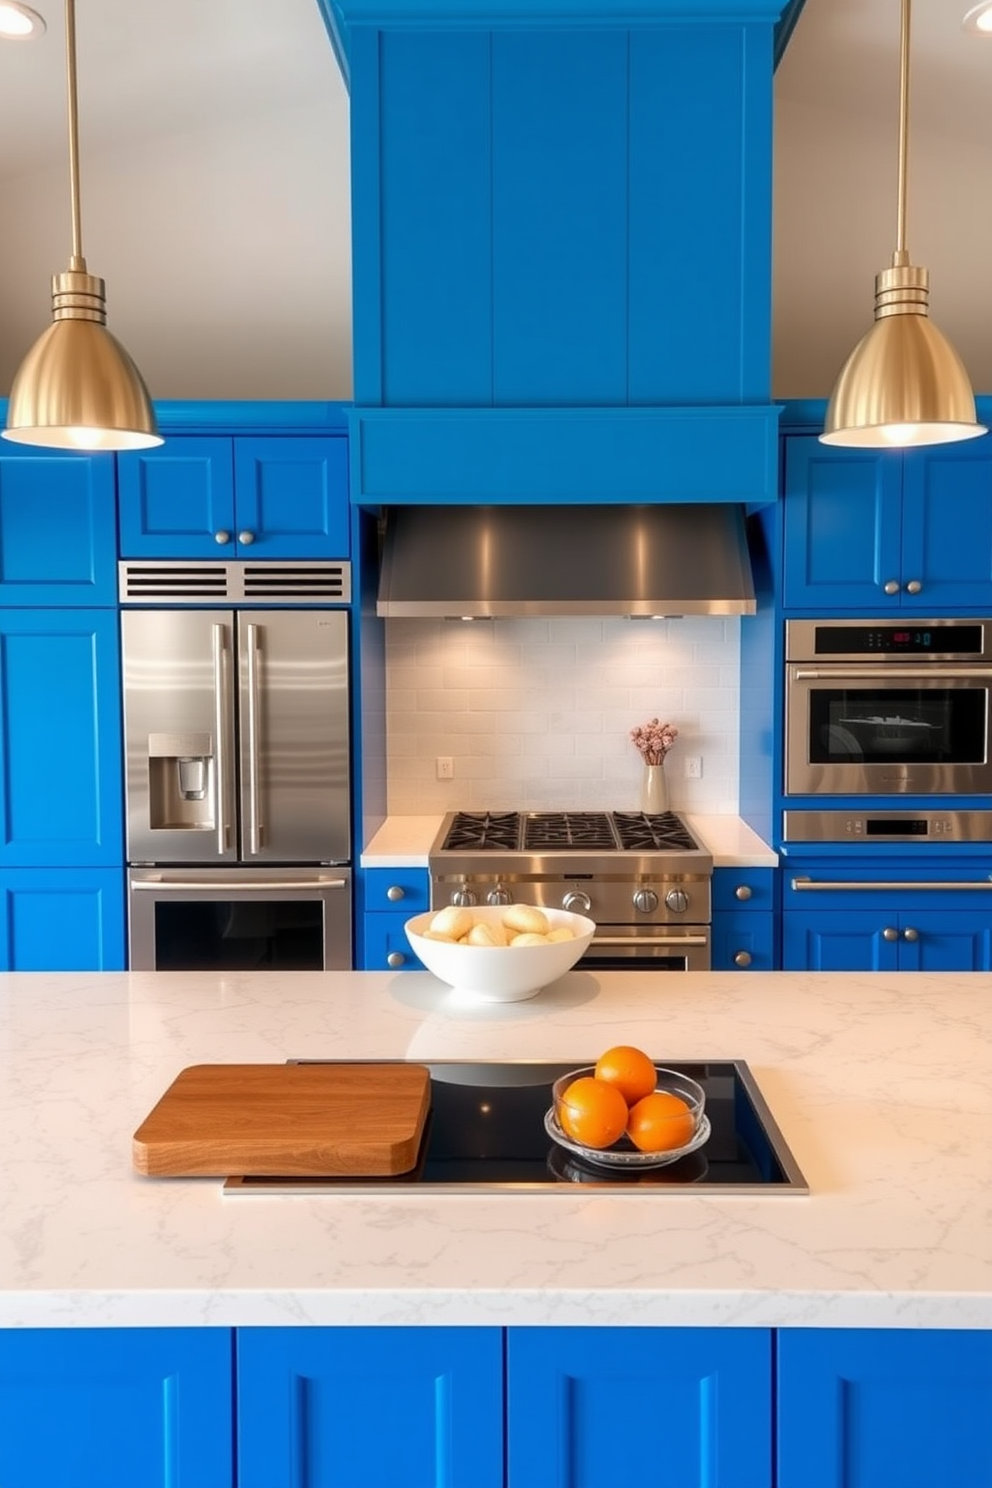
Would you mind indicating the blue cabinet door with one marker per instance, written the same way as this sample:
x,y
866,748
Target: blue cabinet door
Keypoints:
x,y
177,500
58,528
880,1408
385,945
842,526
391,897
743,937
60,739
589,1407
852,940
947,527
241,497
956,941
370,1407
62,919
115,1408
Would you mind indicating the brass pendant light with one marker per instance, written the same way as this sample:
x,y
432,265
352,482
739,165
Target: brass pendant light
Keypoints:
x,y
903,383
77,388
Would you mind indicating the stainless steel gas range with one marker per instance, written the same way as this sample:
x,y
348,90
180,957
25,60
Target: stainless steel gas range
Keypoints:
x,y
645,880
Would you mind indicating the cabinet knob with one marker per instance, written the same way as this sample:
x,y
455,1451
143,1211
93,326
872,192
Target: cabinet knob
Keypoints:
x,y
889,934
395,959
910,934
222,536
395,892
914,586
892,587
246,538
743,891
743,958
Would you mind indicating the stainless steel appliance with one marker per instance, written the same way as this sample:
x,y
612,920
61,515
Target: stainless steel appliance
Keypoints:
x,y
875,709
485,1133
236,730
645,880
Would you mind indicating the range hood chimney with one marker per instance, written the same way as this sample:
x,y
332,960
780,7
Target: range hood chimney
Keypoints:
x,y
477,561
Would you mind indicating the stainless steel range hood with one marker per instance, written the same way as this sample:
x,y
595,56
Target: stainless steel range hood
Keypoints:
x,y
473,561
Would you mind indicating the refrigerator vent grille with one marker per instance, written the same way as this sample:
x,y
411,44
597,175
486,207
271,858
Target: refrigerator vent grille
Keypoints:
x,y
175,582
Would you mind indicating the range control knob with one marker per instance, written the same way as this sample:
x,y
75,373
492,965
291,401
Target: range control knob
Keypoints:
x,y
645,900
677,900
464,898
576,902
499,895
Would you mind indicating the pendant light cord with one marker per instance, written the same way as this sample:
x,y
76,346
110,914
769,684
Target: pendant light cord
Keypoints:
x,y
901,255
78,262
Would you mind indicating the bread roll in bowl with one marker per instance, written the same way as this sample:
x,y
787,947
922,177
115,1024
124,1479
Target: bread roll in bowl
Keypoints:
x,y
452,921
527,919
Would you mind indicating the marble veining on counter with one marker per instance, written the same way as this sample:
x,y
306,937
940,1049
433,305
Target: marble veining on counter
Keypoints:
x,y
880,1084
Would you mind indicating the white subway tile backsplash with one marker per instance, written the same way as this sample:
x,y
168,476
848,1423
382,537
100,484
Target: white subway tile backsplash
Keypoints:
x,y
537,713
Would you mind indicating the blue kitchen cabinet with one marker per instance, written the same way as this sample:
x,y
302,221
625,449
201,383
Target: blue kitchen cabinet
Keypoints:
x,y
744,903
887,917
588,1407
244,497
58,528
116,1408
887,531
60,739
879,1408
62,919
391,897
369,1407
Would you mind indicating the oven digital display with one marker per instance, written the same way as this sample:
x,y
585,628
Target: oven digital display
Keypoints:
x,y
896,827
908,640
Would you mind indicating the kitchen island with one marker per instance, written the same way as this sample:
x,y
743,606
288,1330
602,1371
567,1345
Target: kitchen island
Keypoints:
x,y
880,1085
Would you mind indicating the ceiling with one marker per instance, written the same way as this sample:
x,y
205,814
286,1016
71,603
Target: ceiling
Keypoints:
x,y
165,84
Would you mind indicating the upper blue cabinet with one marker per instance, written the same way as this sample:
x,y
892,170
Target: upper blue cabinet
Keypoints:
x,y
58,528
885,531
562,250
242,497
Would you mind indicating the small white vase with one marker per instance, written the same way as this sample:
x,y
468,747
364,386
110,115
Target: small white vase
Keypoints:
x,y
654,790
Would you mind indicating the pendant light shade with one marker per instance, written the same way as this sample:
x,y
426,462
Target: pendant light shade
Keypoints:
x,y
903,384
77,388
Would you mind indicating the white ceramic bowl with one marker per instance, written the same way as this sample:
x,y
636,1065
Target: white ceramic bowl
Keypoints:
x,y
501,973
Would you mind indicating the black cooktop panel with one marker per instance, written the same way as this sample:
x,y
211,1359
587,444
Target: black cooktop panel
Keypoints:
x,y
666,832
486,1132
548,831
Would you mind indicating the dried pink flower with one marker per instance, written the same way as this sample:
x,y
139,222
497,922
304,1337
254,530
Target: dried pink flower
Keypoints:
x,y
654,739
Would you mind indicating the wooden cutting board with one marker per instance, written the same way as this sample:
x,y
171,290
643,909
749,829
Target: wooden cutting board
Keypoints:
x,y
314,1120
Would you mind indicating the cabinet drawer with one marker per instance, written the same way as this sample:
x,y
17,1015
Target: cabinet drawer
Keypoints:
x,y
406,889
740,889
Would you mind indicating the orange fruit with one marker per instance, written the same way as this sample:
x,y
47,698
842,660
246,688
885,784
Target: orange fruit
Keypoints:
x,y
629,1069
592,1112
660,1122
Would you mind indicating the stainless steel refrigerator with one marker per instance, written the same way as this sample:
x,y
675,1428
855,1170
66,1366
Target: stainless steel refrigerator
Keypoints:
x,y
236,730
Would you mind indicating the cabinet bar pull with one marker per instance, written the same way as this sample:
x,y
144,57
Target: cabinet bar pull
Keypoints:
x,y
635,943
915,674
823,883
233,885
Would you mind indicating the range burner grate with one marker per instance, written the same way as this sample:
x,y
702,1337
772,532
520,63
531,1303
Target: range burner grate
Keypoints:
x,y
496,830
554,829
639,832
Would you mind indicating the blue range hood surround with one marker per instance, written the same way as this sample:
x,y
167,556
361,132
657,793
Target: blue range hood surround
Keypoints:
x,y
562,249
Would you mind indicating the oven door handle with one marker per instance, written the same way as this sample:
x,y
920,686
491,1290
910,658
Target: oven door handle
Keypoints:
x,y
635,943
889,674
823,883
170,886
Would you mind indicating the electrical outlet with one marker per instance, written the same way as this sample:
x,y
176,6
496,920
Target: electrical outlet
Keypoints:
x,y
693,767
445,767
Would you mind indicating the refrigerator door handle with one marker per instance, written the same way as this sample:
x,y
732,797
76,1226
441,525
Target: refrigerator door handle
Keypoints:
x,y
254,808
221,685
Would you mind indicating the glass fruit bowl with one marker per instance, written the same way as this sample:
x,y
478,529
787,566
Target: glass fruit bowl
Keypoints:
x,y
623,1153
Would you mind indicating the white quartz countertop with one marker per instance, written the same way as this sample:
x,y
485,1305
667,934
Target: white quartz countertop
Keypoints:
x,y
404,842
881,1085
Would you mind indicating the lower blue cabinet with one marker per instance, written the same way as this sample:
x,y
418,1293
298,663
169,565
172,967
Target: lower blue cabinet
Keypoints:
x,y
62,919
593,1407
884,1408
370,1407
116,1408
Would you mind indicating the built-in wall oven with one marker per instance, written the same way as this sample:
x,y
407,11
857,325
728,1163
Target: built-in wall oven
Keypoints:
x,y
236,724
880,709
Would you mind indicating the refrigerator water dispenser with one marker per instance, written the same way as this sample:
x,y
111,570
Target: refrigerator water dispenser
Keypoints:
x,y
181,779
